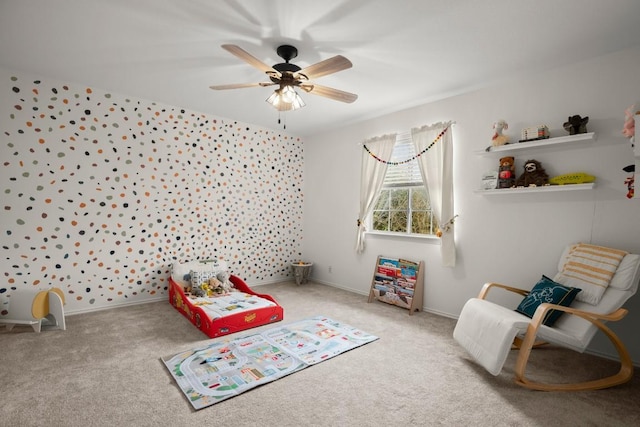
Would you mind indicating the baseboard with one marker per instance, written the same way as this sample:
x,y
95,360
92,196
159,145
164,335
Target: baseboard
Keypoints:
x,y
270,281
335,285
425,309
164,297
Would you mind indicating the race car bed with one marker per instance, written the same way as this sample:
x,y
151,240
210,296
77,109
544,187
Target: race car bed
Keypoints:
x,y
226,313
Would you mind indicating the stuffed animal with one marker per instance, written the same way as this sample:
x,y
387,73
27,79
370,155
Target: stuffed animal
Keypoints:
x,y
534,175
630,180
198,292
629,128
576,124
214,287
225,283
498,138
506,172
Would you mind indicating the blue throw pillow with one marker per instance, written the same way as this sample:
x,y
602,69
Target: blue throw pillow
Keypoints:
x,y
546,290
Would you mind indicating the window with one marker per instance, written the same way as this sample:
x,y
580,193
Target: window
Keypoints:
x,y
403,204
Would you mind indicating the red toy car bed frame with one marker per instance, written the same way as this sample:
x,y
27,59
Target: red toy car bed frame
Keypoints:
x,y
229,324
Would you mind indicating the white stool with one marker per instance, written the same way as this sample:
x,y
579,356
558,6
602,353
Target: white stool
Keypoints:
x,y
36,308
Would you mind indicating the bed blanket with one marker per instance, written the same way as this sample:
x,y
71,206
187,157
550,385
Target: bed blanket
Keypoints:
x,y
230,303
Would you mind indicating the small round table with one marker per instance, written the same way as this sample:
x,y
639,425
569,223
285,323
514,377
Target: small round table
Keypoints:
x,y
301,271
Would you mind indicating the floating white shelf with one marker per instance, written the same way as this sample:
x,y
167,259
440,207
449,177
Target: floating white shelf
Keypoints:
x,y
529,190
522,146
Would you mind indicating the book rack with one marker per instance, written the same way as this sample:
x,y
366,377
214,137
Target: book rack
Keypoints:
x,y
399,282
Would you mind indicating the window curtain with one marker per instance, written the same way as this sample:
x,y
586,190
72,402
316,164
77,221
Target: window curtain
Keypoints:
x,y
372,175
436,167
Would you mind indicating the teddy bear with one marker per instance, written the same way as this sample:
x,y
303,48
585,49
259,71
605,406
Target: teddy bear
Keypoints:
x,y
506,172
213,287
534,175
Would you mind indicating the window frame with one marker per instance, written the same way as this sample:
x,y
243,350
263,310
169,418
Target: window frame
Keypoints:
x,y
406,150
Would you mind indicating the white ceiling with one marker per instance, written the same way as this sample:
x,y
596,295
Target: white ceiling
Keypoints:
x,y
404,52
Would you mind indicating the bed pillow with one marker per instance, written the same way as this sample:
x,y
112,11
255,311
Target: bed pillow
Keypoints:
x,y
198,277
546,290
181,271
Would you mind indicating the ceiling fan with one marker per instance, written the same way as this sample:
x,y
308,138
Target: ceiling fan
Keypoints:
x,y
289,76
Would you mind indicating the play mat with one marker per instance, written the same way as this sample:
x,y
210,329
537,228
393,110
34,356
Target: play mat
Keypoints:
x,y
230,366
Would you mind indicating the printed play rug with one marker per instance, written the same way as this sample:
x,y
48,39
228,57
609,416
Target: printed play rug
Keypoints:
x,y
230,366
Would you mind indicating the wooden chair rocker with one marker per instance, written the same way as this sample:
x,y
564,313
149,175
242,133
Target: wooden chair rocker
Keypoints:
x,y
488,331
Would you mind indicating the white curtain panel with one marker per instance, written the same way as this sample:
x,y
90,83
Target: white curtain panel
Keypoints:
x,y
436,167
372,175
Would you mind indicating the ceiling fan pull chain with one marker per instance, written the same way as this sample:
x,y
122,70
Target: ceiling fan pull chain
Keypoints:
x,y
283,121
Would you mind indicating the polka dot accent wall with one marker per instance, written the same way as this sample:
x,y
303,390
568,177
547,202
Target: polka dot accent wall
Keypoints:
x,y
102,193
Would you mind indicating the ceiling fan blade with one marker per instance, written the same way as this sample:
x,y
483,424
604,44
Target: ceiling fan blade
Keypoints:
x,y
241,85
327,92
322,68
249,59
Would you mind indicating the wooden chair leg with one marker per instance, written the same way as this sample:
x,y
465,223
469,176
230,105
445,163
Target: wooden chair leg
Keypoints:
x,y
622,376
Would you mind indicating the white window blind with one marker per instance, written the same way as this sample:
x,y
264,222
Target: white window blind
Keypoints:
x,y
405,174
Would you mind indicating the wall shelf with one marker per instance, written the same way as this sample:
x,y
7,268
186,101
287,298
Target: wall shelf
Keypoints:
x,y
508,149
529,190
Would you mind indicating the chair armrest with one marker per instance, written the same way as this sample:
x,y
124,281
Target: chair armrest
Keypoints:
x,y
487,286
590,316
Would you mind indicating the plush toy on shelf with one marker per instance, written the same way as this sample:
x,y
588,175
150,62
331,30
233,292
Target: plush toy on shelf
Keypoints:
x,y
498,137
629,131
534,175
630,181
572,178
576,124
629,128
506,172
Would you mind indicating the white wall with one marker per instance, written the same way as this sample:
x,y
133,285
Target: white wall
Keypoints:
x,y
511,239
102,193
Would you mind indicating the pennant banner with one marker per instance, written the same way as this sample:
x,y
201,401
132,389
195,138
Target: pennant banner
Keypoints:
x,y
438,138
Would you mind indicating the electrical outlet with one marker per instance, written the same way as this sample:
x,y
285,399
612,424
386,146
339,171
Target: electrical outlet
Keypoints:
x,y
330,269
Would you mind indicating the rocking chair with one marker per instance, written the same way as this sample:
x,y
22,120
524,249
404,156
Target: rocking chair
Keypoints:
x,y
488,331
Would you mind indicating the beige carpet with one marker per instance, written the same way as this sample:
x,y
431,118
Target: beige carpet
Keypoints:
x,y
105,370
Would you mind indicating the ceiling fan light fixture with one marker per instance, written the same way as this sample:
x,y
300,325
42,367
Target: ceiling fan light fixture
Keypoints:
x,y
285,99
